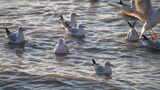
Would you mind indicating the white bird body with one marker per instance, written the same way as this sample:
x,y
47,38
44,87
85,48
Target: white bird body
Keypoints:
x,y
103,70
108,70
15,38
77,32
61,48
20,37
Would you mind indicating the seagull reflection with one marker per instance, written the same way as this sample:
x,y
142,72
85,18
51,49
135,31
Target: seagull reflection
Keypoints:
x,y
17,49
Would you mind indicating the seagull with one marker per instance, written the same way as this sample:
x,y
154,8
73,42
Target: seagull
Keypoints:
x,y
72,23
144,12
77,32
132,35
146,42
61,48
15,38
103,70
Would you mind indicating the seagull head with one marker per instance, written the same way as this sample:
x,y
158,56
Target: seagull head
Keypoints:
x,y
60,41
21,29
61,17
108,64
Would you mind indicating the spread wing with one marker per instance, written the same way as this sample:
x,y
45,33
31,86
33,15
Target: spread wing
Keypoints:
x,y
128,12
143,6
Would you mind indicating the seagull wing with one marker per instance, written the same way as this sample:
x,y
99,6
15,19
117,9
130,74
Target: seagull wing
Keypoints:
x,y
99,69
128,12
143,30
134,13
143,6
73,30
12,37
148,6
65,22
139,5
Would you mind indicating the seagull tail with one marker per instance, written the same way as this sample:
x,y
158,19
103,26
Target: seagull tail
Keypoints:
x,y
94,62
7,31
120,2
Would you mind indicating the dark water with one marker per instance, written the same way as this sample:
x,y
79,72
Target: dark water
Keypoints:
x,y
35,67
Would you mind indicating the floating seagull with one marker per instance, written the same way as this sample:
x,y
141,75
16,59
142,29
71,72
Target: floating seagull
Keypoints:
x,y
15,38
61,48
132,35
77,32
143,12
146,42
100,70
72,23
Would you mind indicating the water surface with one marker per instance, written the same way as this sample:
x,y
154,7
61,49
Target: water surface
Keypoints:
x,y
35,67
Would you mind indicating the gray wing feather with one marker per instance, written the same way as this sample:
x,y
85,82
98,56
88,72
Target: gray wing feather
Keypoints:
x,y
12,37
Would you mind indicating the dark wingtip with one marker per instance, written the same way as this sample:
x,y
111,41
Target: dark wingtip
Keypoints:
x,y
61,16
120,2
131,25
94,62
7,31
145,37
67,25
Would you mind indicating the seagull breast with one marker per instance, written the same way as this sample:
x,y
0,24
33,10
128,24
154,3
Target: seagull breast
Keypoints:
x,y
61,48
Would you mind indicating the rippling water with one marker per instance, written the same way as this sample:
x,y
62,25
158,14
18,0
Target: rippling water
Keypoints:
x,y
35,67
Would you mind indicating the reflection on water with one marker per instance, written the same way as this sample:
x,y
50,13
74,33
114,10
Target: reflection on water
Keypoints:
x,y
18,50
34,65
